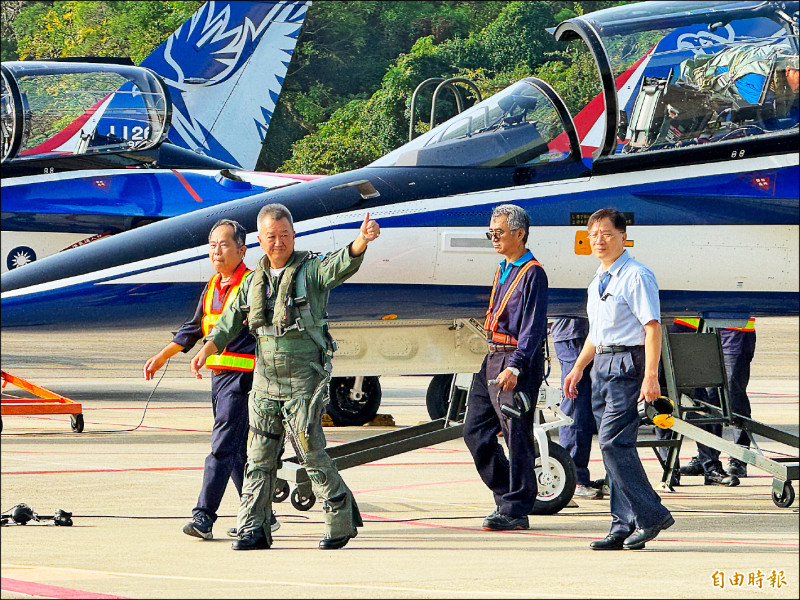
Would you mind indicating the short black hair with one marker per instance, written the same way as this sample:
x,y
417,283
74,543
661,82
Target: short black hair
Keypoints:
x,y
239,233
617,218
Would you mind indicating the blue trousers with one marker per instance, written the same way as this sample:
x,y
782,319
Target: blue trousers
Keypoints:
x,y
709,457
616,385
737,370
229,390
577,437
512,480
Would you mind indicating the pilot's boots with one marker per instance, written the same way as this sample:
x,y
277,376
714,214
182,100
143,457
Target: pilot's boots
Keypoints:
x,y
718,476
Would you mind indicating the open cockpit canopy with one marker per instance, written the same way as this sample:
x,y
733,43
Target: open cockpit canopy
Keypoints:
x,y
677,74
67,108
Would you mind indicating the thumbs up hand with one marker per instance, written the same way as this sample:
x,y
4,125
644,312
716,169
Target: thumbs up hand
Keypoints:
x,y
370,230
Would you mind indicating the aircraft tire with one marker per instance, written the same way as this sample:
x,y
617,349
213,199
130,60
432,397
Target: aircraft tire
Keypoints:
x,y
436,399
556,484
344,410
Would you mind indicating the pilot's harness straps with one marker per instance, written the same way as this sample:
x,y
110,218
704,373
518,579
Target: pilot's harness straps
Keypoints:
x,y
490,325
297,315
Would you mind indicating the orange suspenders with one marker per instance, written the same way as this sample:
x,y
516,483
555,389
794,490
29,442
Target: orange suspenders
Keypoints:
x,y
490,325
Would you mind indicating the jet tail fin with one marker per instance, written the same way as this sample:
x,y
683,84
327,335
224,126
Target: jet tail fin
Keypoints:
x,y
225,67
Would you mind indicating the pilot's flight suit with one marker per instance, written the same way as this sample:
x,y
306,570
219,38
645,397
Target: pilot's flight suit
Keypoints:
x,y
290,384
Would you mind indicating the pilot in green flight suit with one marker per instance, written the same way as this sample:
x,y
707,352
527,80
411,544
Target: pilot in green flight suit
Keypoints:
x,y
284,304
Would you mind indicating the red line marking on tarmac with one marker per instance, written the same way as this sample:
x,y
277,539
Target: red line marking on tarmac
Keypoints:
x,y
576,537
42,590
417,464
119,425
93,453
102,470
773,403
151,408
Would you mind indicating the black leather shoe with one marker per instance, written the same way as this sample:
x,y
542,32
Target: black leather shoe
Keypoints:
x,y
337,542
610,542
636,540
251,541
737,468
500,522
695,467
720,477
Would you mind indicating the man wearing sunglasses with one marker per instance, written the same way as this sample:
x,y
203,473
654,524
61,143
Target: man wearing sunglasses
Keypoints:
x,y
625,344
516,325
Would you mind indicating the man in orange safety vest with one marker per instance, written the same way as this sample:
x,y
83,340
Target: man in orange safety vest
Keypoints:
x,y
232,375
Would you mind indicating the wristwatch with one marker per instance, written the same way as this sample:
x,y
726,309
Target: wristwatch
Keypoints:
x,y
514,371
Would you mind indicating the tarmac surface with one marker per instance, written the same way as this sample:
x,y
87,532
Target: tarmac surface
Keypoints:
x,y
130,493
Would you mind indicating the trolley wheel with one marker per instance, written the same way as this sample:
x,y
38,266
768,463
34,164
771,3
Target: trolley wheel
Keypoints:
x,y
556,481
281,492
302,502
76,422
786,498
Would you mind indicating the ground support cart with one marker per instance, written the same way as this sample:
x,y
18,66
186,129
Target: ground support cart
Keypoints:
x,y
556,479
44,402
695,360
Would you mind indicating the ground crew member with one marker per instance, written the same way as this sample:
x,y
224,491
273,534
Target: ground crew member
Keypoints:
x,y
625,344
232,374
569,336
738,349
284,303
516,325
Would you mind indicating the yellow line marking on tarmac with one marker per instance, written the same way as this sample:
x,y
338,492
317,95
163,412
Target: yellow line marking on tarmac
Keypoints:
x,y
305,584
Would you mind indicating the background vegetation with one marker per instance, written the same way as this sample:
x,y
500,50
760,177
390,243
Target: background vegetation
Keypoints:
x,y
347,95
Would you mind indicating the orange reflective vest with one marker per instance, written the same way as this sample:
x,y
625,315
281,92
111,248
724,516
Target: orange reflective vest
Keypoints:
x,y
695,323
490,325
224,360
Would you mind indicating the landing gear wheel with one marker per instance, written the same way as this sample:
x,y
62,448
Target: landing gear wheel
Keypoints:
x,y
281,492
302,502
343,409
556,481
438,395
786,498
76,422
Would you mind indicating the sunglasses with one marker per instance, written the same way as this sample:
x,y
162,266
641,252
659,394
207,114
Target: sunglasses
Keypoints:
x,y
494,236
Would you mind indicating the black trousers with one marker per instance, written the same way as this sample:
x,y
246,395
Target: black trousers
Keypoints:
x,y
511,479
229,390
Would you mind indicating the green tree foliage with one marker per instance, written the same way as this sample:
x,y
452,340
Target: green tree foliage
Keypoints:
x,y
92,28
344,52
